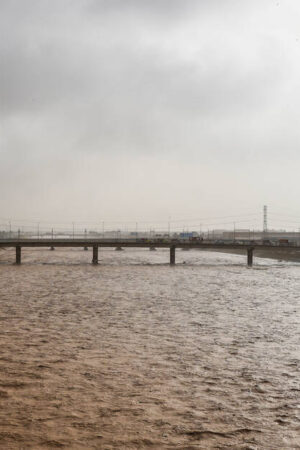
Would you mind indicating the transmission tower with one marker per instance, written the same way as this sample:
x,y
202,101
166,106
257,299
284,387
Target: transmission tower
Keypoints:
x,y
265,228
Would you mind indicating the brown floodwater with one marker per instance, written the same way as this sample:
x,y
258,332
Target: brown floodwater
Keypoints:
x,y
133,353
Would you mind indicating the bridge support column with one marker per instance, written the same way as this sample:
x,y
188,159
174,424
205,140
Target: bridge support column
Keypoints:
x,y
172,255
250,257
18,254
95,254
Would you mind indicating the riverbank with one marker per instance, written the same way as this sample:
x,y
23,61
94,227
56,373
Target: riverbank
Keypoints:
x,y
279,254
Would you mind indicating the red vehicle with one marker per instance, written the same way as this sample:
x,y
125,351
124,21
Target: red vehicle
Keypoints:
x,y
283,242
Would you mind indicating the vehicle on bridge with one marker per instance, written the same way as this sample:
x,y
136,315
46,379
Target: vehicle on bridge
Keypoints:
x,y
283,242
267,242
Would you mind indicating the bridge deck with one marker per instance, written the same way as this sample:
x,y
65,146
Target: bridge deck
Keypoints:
x,y
95,244
137,243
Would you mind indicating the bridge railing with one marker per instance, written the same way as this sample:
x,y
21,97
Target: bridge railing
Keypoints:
x,y
151,240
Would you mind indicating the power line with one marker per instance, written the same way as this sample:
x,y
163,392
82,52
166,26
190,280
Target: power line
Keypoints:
x,y
107,221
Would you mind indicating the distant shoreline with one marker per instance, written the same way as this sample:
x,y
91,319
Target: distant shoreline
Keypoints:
x,y
279,254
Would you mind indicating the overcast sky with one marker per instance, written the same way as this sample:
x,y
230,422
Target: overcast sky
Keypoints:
x,y
149,109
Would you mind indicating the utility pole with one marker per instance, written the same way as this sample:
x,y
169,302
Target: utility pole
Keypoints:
x,y
265,224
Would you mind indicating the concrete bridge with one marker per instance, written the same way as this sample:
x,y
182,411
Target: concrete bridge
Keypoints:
x,y
172,244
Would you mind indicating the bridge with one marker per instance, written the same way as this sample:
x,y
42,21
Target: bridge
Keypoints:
x,y
172,244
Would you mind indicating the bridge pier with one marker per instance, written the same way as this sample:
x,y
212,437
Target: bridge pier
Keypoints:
x,y
95,254
250,257
172,255
18,254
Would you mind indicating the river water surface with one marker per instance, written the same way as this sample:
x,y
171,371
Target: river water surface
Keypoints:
x,y
134,354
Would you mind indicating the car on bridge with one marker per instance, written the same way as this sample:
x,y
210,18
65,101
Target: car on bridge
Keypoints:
x,y
267,242
195,239
283,242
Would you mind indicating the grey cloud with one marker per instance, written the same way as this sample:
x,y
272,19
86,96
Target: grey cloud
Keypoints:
x,y
159,8
47,70
213,83
164,10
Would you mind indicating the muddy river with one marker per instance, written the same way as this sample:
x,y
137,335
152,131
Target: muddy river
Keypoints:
x,y
135,354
